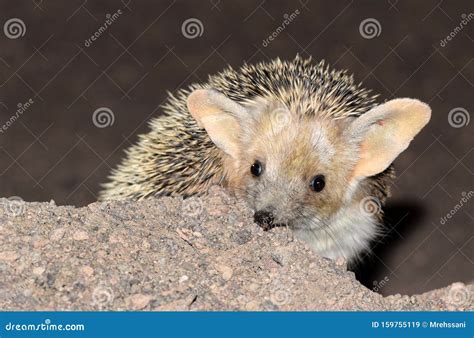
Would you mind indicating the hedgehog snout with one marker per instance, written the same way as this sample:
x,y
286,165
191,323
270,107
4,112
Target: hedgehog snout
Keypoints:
x,y
264,218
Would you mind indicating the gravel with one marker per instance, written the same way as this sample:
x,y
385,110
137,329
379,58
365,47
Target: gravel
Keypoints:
x,y
174,254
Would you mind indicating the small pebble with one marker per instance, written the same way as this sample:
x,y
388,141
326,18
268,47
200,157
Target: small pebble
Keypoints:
x,y
57,234
80,235
252,306
226,272
38,270
138,301
340,261
9,256
183,279
87,271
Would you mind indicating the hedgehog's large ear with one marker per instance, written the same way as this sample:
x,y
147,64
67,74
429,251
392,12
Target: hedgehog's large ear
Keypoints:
x,y
385,131
220,116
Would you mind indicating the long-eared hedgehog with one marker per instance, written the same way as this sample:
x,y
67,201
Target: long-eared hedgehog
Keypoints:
x,y
303,145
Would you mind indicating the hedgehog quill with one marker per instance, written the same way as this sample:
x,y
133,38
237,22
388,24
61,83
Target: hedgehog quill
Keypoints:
x,y
303,145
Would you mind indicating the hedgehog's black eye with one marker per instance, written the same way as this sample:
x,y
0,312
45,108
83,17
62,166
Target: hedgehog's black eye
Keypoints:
x,y
256,169
317,183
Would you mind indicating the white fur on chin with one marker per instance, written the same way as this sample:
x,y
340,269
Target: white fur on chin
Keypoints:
x,y
348,235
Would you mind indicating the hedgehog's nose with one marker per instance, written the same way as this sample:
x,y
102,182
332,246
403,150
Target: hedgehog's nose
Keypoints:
x,y
264,219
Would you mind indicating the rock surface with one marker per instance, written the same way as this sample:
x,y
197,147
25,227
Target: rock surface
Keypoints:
x,y
173,254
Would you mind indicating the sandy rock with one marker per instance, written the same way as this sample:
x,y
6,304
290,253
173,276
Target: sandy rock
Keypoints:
x,y
169,254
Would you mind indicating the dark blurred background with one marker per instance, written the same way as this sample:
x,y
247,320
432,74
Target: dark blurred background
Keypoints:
x,y
50,147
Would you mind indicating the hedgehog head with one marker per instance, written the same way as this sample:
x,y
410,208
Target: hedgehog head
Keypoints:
x,y
302,168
